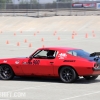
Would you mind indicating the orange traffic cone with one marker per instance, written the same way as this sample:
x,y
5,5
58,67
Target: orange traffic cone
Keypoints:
x,y
43,46
86,35
93,35
92,31
34,34
14,34
18,44
42,39
7,42
54,33
37,31
20,31
58,38
25,40
30,45
72,36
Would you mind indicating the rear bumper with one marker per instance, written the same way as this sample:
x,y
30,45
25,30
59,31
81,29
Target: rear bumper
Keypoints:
x,y
84,71
96,69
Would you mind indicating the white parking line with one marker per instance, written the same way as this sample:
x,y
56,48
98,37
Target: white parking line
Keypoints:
x,y
4,99
6,87
78,96
29,88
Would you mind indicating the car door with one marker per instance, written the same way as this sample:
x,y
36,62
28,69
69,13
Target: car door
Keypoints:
x,y
42,64
27,67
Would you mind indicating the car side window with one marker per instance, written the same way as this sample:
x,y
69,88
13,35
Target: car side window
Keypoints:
x,y
42,53
72,53
45,54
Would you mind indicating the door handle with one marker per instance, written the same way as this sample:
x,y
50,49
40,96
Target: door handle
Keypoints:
x,y
51,62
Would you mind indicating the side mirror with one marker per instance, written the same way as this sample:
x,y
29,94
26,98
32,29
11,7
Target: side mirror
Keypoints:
x,y
30,57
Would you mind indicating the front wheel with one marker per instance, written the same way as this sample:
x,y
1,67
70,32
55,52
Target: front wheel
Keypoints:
x,y
6,72
90,77
67,74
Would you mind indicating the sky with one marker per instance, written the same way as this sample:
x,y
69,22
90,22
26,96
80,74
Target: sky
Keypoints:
x,y
46,1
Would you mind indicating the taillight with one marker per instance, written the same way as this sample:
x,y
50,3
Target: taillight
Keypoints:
x,y
96,65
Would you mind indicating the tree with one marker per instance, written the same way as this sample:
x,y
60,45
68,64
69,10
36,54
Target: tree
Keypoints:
x,y
9,1
2,1
33,1
23,1
5,1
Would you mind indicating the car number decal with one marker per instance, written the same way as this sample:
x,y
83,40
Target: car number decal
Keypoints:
x,y
17,62
36,62
62,55
5,61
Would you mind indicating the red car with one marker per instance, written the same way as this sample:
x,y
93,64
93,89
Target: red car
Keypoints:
x,y
66,63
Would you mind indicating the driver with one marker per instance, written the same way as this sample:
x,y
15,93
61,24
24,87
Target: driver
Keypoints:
x,y
50,53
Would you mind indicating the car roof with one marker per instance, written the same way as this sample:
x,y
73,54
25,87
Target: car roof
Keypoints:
x,y
59,48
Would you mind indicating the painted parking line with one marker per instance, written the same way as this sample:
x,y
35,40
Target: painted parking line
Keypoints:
x,y
29,88
4,99
78,96
17,92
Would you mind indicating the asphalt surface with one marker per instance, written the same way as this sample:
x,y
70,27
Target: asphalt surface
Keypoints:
x,y
12,44
49,24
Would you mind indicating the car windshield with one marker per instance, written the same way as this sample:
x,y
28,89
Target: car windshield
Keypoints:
x,y
79,52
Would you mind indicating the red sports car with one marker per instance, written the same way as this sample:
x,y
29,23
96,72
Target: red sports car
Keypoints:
x,y
66,63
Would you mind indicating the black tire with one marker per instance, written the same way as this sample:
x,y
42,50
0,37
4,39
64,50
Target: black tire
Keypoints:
x,y
90,77
67,74
6,72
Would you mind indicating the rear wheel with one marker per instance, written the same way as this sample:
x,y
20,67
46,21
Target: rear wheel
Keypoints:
x,y
6,72
90,77
67,74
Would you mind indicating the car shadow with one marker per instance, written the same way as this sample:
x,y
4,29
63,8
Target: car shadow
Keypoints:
x,y
52,80
35,79
84,81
